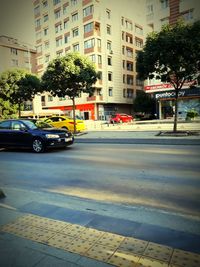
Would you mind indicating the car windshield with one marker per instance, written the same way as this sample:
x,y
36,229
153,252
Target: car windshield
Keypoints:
x,y
34,124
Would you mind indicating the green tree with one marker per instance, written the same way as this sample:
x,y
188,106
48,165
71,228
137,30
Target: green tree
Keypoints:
x,y
70,76
172,55
144,103
18,86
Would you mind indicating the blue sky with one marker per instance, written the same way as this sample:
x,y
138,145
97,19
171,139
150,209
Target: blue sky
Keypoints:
x,y
16,20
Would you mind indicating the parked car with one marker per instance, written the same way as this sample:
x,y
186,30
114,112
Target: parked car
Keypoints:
x,y
121,117
66,122
34,134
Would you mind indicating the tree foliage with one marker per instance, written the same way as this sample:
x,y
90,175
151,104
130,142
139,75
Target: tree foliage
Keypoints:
x,y
172,55
70,76
18,86
144,103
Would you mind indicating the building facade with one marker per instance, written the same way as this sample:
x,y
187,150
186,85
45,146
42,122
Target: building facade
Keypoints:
x,y
110,33
16,54
159,13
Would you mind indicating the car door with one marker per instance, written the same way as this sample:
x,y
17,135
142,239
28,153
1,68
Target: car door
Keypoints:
x,y
5,133
19,134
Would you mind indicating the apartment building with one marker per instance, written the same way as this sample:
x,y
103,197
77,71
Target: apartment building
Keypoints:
x,y
16,54
159,13
109,32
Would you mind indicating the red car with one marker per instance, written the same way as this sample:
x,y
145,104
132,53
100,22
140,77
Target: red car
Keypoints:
x,y
118,118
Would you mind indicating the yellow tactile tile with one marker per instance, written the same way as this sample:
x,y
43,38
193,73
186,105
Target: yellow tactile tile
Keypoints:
x,y
124,259
100,252
79,246
111,240
106,247
133,245
91,235
158,252
146,262
73,230
185,259
60,241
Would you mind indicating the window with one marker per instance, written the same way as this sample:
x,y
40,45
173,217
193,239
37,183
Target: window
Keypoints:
x,y
58,42
110,91
37,23
37,10
129,93
50,98
99,59
108,13
57,14
13,51
164,4
58,28
124,93
108,29
109,46
88,27
47,58
46,45
66,39
89,43
92,58
138,30
187,16
75,16
164,21
139,82
39,49
130,79
45,4
46,30
129,66
129,52
76,47
55,2
138,42
129,25
59,53
75,32
46,17
64,10
88,11
109,76
74,2
99,43
14,62
66,23
109,61
39,61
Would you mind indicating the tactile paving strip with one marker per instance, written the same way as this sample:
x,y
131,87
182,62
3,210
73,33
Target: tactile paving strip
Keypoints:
x,y
158,252
106,247
185,259
121,258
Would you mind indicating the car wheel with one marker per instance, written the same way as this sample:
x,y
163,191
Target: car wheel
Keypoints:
x,y
65,128
38,145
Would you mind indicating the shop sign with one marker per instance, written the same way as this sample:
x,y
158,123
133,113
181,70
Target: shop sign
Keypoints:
x,y
165,86
183,93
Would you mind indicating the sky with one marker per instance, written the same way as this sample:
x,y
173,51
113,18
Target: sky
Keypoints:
x,y
17,20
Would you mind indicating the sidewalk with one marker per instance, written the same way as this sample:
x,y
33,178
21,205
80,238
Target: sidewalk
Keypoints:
x,y
37,232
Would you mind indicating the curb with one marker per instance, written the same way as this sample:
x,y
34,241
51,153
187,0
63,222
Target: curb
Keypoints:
x,y
164,141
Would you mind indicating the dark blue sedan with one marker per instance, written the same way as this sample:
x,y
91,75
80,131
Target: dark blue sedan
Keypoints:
x,y
34,134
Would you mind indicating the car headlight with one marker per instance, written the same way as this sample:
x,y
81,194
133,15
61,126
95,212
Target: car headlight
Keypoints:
x,y
52,136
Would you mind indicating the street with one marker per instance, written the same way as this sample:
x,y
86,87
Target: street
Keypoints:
x,y
152,179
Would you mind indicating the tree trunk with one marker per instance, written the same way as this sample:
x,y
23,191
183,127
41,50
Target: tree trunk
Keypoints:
x,y
19,109
74,115
176,110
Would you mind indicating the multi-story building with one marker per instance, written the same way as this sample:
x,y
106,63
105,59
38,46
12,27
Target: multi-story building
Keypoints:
x,y
159,13
109,32
16,54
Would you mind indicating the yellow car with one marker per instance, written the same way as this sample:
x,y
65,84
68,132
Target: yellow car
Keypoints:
x,y
66,122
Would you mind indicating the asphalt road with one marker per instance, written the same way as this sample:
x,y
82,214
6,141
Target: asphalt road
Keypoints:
x,y
151,176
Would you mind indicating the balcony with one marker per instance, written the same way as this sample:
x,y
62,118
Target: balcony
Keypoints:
x,y
96,98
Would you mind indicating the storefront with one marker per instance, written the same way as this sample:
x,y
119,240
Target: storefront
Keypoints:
x,y
189,100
